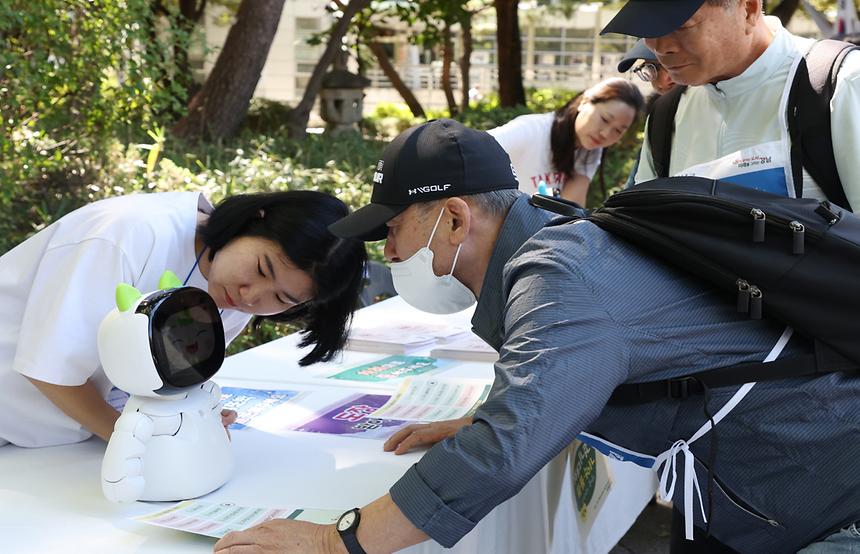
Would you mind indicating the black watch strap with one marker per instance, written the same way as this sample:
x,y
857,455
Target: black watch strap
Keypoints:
x,y
348,535
351,543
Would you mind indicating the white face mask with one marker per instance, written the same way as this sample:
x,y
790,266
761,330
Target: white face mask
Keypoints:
x,y
421,288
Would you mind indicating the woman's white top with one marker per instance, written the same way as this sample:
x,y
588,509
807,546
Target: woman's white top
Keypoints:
x,y
526,139
56,287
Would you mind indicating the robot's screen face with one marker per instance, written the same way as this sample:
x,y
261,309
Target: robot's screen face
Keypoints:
x,y
186,336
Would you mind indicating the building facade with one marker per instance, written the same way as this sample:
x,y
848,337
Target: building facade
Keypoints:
x,y
558,51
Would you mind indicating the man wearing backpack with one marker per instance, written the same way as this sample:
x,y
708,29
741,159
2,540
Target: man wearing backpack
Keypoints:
x,y
736,119
574,312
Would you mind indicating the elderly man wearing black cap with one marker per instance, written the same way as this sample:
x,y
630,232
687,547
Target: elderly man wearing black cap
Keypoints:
x,y
575,312
649,70
733,120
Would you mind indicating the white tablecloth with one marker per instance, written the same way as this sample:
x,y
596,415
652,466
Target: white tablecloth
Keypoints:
x,y
51,501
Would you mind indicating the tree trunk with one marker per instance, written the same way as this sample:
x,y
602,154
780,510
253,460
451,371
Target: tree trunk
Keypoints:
x,y
466,62
392,75
784,10
217,111
297,121
509,54
447,60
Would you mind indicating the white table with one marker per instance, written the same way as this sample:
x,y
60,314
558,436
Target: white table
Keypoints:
x,y
51,501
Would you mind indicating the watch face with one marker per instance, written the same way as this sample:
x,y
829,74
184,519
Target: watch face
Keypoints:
x,y
345,521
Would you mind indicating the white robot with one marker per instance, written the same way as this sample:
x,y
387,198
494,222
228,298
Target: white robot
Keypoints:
x,y
162,348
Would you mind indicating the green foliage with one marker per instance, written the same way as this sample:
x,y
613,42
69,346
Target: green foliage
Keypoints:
x,y
487,114
391,109
267,117
544,100
76,76
388,119
267,331
478,116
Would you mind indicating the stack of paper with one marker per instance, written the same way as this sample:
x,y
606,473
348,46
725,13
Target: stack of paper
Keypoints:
x,y
434,400
401,337
391,369
216,520
472,348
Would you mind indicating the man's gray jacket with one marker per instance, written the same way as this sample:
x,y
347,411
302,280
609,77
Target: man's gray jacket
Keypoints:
x,y
574,312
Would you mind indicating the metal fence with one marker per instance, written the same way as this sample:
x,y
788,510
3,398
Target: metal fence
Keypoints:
x,y
549,61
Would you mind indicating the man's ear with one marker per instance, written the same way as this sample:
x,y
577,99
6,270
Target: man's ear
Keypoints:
x,y
753,9
461,220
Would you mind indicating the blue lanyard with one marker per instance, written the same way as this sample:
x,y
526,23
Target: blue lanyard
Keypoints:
x,y
193,267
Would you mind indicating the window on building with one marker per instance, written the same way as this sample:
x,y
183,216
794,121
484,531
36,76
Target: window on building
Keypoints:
x,y
306,54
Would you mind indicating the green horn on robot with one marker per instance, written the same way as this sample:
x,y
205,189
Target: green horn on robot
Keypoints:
x,y
126,295
169,280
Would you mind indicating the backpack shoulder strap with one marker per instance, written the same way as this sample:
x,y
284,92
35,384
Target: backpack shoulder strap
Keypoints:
x,y
568,209
809,118
661,129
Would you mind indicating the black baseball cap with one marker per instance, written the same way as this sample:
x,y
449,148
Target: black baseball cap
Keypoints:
x,y
638,52
651,18
437,159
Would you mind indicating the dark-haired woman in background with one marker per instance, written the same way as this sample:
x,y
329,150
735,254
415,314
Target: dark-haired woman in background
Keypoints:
x,y
561,151
268,255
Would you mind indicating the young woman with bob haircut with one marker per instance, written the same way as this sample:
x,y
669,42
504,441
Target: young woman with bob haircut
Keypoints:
x,y
262,256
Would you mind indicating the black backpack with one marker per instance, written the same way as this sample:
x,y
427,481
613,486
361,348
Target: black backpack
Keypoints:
x,y
808,121
795,260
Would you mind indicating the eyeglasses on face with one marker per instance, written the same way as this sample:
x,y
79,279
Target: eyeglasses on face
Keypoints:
x,y
647,71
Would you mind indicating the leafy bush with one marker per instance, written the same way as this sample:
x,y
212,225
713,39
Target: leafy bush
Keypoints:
x,y
391,109
544,100
267,117
76,77
479,116
387,120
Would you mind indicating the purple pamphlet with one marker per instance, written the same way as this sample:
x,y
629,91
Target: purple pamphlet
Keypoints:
x,y
350,417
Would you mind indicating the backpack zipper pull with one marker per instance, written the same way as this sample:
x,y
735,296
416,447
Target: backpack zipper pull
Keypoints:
x,y
759,219
743,296
755,302
825,212
797,233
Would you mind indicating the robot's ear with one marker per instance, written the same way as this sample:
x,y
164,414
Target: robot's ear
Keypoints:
x,y
169,280
126,296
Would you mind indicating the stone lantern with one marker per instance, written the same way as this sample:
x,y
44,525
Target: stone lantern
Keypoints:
x,y
342,100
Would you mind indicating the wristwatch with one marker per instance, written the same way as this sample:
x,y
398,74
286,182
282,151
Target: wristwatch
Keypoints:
x,y
347,526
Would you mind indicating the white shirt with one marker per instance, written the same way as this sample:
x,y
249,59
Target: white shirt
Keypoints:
x,y
56,287
714,121
526,139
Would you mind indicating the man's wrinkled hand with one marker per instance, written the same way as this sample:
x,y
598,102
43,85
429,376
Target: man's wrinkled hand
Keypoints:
x,y
424,434
281,536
